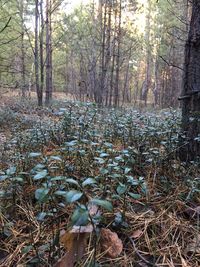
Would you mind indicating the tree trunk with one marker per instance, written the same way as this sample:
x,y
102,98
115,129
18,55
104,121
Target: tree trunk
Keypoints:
x,y
23,68
49,86
156,88
191,89
41,47
37,83
108,50
103,53
147,82
113,59
116,98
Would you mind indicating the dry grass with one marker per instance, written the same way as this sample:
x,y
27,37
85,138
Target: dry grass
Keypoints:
x,y
167,234
10,96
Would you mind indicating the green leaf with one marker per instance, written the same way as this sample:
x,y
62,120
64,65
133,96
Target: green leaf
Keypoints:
x,y
58,178
72,143
119,158
121,189
3,177
89,181
135,196
11,170
80,217
110,145
26,249
18,179
104,171
35,154
60,193
58,158
72,181
2,193
103,155
44,247
100,160
40,175
63,109
82,152
127,170
41,194
115,175
132,181
39,166
103,203
41,216
118,218
73,196
115,196
144,188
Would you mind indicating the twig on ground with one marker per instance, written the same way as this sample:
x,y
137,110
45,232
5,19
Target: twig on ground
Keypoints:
x,y
139,255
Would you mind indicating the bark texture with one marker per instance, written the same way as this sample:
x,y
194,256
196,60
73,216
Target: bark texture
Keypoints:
x,y
191,89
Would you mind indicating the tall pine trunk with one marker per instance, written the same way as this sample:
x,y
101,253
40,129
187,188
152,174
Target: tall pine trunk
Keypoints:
x,y
41,47
23,68
36,55
116,97
191,89
49,86
147,82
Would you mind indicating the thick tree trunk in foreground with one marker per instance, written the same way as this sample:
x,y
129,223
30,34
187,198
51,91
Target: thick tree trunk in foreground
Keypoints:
x,y
191,89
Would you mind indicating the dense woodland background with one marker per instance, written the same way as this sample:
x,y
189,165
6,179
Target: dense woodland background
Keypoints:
x,y
111,52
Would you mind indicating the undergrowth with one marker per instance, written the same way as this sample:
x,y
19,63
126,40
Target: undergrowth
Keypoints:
x,y
124,162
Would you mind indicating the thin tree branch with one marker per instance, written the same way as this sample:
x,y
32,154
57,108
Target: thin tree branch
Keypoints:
x,y
170,64
6,25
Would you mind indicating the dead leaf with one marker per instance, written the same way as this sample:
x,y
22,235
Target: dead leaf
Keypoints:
x,y
93,209
50,150
75,242
136,234
111,243
63,262
82,229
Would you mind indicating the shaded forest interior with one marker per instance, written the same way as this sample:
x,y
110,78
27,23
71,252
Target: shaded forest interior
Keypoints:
x,y
111,52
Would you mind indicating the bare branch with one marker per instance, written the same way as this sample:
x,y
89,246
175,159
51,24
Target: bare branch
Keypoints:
x,y
170,64
6,25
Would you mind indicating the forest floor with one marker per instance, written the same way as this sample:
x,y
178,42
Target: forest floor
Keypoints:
x,y
85,186
10,101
